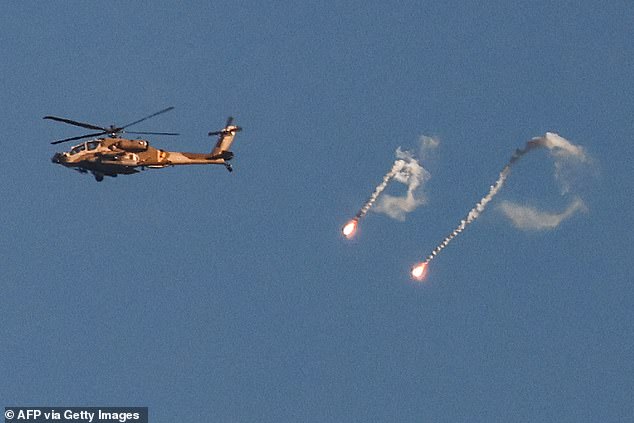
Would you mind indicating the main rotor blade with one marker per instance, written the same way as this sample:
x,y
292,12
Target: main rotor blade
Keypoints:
x,y
73,122
151,133
147,117
79,138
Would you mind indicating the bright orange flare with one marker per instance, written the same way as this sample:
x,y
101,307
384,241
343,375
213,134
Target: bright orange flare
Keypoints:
x,y
418,271
350,229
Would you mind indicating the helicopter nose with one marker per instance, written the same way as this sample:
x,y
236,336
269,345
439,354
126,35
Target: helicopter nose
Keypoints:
x,y
56,158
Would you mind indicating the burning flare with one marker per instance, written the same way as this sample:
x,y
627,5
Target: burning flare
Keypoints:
x,y
418,271
350,229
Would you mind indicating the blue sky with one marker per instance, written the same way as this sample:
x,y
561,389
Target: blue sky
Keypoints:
x,y
205,295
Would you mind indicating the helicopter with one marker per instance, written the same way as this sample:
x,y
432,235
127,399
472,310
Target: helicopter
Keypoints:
x,y
109,154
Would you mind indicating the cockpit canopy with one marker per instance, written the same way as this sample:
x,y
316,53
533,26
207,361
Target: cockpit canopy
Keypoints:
x,y
91,145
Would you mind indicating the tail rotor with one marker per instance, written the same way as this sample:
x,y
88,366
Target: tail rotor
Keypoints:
x,y
225,139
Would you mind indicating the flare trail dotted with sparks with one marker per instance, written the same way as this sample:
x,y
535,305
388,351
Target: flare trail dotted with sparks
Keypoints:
x,y
550,140
350,228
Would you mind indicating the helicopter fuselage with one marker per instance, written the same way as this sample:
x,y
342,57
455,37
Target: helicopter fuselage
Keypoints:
x,y
113,156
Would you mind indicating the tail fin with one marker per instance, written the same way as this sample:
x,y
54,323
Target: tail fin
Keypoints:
x,y
225,139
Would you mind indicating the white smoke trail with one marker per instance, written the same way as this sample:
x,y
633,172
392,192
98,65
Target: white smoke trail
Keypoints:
x,y
560,147
405,170
529,218
396,168
413,175
475,212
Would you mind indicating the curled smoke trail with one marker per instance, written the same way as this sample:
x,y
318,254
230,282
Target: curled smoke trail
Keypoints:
x,y
560,147
405,170
414,176
529,218
568,158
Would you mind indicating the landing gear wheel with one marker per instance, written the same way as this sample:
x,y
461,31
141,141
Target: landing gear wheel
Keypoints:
x,y
98,177
229,167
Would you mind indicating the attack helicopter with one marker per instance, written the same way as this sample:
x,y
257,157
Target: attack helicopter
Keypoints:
x,y
109,154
